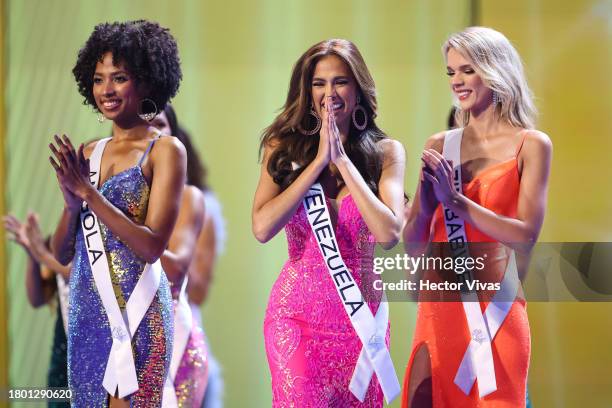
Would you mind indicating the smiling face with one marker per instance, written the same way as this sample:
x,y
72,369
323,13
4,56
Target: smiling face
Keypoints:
x,y
115,91
333,82
466,84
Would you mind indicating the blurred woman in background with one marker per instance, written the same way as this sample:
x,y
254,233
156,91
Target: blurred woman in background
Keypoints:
x,y
46,284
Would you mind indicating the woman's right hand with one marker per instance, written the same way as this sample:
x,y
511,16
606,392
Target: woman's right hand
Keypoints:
x,y
427,197
66,157
71,201
324,152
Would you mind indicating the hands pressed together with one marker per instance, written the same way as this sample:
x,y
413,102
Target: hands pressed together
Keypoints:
x,y
72,171
330,144
437,182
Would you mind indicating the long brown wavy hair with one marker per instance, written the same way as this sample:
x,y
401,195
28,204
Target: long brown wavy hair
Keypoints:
x,y
293,146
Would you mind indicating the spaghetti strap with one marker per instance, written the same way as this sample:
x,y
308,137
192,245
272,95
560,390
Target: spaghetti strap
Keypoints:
x,y
520,146
159,133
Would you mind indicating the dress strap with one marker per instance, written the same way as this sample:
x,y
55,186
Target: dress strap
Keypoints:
x,y
520,146
159,133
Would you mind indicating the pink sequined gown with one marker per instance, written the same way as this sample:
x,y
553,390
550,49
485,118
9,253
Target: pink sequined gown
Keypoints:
x,y
310,343
192,373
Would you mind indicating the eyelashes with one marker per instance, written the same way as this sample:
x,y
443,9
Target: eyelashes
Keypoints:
x,y
118,79
339,82
467,71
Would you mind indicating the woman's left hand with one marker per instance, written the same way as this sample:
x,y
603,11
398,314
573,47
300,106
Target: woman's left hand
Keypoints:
x,y
439,172
336,148
27,234
71,167
17,231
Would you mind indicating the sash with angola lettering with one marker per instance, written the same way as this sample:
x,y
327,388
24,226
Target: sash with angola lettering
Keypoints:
x,y
120,373
374,356
477,362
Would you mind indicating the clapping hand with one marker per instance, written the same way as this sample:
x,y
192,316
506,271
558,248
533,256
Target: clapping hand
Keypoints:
x,y
16,230
72,171
439,173
26,234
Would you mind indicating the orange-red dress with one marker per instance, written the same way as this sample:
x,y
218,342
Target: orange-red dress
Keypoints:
x,y
442,326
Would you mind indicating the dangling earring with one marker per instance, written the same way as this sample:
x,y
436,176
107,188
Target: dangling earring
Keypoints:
x,y
101,118
495,98
317,127
359,108
148,114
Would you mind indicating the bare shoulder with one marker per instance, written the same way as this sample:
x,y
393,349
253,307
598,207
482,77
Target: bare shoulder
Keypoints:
x,y
193,194
390,145
392,150
537,146
536,150
194,198
436,141
537,140
169,147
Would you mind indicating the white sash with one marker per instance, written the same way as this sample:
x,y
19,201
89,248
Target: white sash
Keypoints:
x,y
477,362
120,371
63,292
183,324
374,356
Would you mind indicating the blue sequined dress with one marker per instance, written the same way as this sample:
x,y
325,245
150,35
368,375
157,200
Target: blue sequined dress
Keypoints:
x,y
89,335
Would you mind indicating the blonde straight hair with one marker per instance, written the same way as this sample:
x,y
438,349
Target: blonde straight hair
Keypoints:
x,y
496,61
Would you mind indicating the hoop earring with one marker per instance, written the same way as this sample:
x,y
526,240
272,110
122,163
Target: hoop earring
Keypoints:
x,y
317,127
150,115
101,118
359,108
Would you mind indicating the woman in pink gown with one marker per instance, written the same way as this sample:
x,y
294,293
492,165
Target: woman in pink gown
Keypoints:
x,y
325,133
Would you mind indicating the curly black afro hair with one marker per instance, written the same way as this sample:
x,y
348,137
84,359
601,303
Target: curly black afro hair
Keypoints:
x,y
147,50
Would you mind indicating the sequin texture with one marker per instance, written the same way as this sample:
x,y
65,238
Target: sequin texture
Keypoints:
x,y
311,345
89,339
192,373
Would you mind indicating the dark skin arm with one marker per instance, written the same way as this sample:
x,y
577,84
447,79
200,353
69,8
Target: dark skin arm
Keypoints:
x,y
201,269
62,241
40,279
148,241
39,290
176,259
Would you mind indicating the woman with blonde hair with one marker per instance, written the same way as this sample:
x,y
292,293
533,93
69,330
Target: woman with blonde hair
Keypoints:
x,y
329,172
484,182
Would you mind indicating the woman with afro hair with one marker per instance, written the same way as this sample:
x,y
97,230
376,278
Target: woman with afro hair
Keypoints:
x,y
122,196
